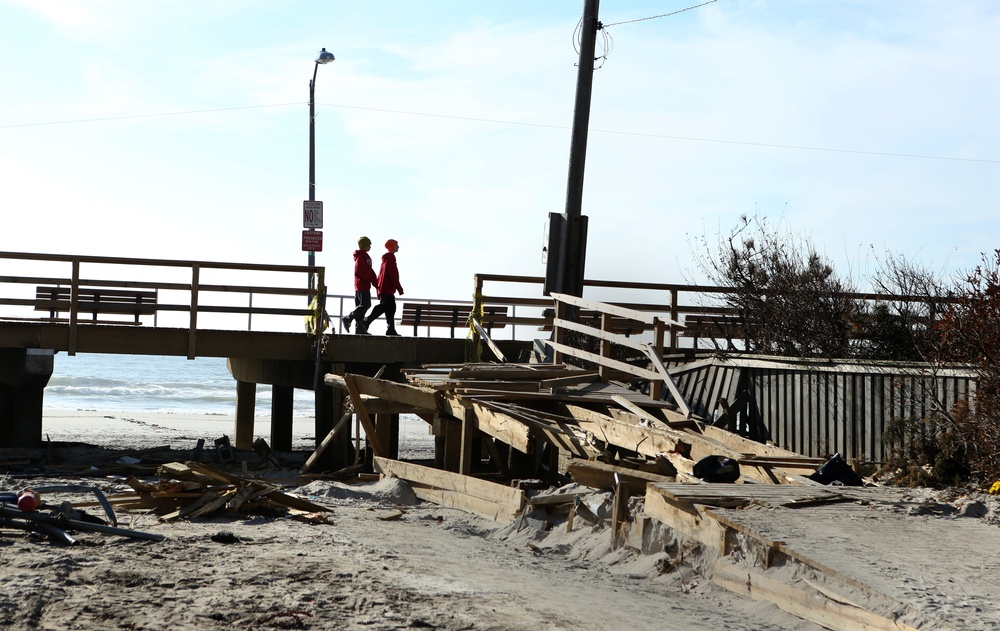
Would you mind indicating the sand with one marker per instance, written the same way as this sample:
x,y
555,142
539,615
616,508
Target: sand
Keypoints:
x,y
431,568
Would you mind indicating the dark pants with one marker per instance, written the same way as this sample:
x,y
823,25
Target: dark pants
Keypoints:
x,y
386,305
362,302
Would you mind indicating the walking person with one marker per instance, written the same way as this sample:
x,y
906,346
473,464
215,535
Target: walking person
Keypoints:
x,y
387,286
364,278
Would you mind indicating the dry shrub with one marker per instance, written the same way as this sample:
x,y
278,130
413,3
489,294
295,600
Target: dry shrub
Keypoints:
x,y
969,332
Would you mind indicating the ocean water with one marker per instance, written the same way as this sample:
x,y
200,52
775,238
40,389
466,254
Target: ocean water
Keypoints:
x,y
143,383
193,398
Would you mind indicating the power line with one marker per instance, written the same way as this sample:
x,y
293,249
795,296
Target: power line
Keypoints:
x,y
688,138
653,17
118,118
518,123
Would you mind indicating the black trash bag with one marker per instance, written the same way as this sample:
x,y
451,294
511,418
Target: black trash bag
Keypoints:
x,y
837,472
717,469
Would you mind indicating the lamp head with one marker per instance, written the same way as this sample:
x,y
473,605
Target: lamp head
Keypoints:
x,y
324,57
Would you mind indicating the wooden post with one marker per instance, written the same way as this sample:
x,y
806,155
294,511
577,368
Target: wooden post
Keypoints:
x,y
558,334
193,324
477,308
619,512
74,307
387,427
466,455
659,330
246,401
282,398
605,348
452,457
674,317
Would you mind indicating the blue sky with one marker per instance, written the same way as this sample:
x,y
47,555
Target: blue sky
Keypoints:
x,y
179,129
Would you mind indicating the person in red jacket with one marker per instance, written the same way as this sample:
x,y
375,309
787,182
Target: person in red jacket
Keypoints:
x,y
364,278
387,286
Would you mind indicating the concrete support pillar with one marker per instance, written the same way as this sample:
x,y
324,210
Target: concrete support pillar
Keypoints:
x,y
24,373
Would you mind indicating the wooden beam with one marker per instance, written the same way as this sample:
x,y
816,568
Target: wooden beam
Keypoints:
x,y
496,501
631,314
817,607
503,427
635,371
560,382
413,396
489,341
600,475
668,381
501,513
325,443
359,407
686,519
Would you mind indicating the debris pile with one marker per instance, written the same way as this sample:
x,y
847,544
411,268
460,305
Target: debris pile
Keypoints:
x,y
190,490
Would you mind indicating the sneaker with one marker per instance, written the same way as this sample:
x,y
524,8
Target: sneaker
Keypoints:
x,y
346,321
392,333
362,329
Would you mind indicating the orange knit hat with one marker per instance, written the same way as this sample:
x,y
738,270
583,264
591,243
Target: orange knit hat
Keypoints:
x,y
391,243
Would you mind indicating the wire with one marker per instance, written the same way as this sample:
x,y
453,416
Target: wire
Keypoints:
x,y
653,17
118,118
518,123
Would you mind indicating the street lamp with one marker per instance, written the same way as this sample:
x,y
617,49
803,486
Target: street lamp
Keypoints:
x,y
323,58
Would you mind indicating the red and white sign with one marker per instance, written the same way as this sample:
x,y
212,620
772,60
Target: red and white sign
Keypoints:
x,y
312,214
312,240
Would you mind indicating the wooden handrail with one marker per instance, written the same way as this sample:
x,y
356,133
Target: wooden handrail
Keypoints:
x,y
121,273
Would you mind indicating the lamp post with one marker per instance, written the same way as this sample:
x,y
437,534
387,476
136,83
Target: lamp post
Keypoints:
x,y
323,58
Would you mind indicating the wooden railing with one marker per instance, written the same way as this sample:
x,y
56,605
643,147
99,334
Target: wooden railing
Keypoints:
x,y
671,301
188,283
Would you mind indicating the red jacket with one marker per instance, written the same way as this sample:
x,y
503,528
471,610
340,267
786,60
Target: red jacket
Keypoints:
x,y
364,275
388,276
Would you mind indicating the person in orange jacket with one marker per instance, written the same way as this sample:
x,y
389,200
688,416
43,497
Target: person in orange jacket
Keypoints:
x,y
364,278
387,286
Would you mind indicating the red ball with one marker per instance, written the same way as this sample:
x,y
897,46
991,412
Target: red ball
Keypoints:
x,y
28,501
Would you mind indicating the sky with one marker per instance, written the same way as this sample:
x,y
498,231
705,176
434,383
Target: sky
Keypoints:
x,y
179,129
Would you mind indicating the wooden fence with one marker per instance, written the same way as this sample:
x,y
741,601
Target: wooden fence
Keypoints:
x,y
818,407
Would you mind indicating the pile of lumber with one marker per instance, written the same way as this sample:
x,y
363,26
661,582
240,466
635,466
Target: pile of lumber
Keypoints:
x,y
190,490
565,422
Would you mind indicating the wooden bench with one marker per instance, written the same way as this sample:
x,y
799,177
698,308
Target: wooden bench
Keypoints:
x,y
95,302
620,325
450,316
712,326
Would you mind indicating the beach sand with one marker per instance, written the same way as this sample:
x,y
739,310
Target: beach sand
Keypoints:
x,y
432,567
142,430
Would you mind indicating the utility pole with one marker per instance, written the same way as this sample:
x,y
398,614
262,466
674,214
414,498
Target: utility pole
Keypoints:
x,y
567,247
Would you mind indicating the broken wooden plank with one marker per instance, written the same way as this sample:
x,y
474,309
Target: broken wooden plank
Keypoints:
x,y
446,480
600,475
688,520
503,427
327,440
572,380
489,341
817,608
502,513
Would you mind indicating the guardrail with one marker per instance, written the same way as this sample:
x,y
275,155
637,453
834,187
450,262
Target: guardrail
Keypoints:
x,y
190,290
